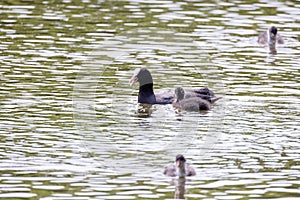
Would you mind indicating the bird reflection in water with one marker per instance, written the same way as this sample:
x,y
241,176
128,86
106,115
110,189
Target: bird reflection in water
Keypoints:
x,y
144,110
180,188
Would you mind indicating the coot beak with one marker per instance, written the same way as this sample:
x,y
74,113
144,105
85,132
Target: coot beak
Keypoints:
x,y
133,80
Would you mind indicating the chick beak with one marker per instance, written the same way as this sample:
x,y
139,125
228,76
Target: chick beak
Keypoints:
x,y
273,35
133,80
178,163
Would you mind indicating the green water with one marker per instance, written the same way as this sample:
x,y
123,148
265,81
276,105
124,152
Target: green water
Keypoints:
x,y
69,127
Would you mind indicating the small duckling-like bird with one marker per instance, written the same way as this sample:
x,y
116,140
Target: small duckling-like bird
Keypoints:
x,y
195,104
180,168
270,37
146,94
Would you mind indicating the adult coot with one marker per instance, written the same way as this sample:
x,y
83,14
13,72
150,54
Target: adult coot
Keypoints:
x,y
147,95
179,168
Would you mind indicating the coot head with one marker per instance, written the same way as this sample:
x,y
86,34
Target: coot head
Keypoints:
x,y
180,161
146,93
273,30
179,94
143,76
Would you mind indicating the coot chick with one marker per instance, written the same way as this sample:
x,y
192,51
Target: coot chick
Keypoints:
x,y
180,168
196,104
270,37
147,95
206,94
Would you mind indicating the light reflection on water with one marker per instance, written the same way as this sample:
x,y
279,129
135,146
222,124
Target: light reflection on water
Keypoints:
x,y
69,127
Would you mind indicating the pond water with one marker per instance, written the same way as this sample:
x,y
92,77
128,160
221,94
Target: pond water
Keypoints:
x,y
69,125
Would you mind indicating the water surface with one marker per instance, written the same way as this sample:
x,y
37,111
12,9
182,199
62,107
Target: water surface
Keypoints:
x,y
69,127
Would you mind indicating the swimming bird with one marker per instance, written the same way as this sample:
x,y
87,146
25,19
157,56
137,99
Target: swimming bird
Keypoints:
x,y
146,94
196,104
270,37
179,168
